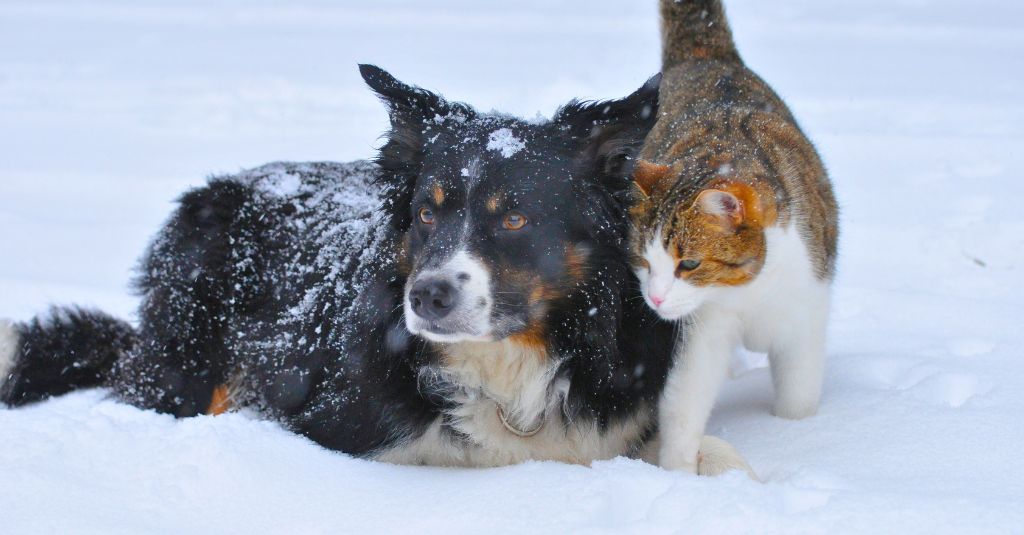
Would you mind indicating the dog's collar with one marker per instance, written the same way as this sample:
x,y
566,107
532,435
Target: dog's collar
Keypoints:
x,y
524,433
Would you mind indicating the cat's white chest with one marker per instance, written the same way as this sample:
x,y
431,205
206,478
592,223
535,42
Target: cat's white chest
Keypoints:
x,y
785,291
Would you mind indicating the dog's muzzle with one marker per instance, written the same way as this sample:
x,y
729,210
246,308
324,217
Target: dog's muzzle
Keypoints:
x,y
451,303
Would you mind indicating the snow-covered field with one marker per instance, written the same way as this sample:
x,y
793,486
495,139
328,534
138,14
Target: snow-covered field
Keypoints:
x,y
109,109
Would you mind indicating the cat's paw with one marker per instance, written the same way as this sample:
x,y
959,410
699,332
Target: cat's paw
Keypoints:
x,y
795,409
672,458
717,457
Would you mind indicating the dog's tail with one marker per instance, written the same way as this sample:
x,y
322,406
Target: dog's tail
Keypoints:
x,y
64,350
695,30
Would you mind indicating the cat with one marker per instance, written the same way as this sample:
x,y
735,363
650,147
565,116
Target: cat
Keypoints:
x,y
735,229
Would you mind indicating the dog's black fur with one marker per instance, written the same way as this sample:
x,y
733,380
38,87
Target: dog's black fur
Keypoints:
x,y
288,281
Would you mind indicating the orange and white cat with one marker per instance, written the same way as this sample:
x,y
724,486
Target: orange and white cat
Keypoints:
x,y
735,229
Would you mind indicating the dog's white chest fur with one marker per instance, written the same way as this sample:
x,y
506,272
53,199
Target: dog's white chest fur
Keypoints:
x,y
522,382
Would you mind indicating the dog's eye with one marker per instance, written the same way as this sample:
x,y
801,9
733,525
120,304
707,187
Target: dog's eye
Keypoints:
x,y
687,265
514,221
426,216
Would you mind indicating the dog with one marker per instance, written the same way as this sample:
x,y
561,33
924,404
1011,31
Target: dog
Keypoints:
x,y
463,300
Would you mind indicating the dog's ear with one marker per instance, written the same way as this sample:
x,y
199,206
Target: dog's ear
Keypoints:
x,y
409,105
413,111
611,132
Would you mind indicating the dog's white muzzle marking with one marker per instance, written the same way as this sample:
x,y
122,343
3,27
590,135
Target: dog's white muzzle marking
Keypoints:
x,y
470,318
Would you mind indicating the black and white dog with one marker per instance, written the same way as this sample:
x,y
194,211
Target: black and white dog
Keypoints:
x,y
465,300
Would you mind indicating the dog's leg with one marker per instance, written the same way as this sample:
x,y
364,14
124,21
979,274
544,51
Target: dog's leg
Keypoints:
x,y
180,358
175,370
191,285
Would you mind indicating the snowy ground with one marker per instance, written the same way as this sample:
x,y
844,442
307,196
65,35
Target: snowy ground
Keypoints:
x,y
108,110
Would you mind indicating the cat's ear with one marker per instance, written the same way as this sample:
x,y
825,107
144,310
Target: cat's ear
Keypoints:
x,y
723,205
733,203
650,177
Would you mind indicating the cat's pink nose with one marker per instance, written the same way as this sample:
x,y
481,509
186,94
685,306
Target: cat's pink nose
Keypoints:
x,y
657,300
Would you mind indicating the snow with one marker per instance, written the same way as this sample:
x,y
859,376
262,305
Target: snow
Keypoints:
x,y
504,141
109,111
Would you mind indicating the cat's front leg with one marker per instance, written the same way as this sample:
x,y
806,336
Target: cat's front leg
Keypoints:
x,y
701,363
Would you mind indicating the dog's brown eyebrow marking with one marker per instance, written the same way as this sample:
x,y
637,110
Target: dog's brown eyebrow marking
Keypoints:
x,y
494,202
438,193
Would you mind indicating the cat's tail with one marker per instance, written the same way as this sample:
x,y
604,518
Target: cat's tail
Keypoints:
x,y
695,30
64,350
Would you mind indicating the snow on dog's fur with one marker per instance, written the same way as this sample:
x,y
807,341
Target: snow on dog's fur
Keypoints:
x,y
464,300
8,349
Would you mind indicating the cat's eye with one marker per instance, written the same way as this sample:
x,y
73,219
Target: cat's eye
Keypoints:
x,y
426,216
513,221
687,265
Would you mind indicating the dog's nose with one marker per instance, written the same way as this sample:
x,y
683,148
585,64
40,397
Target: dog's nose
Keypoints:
x,y
432,299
